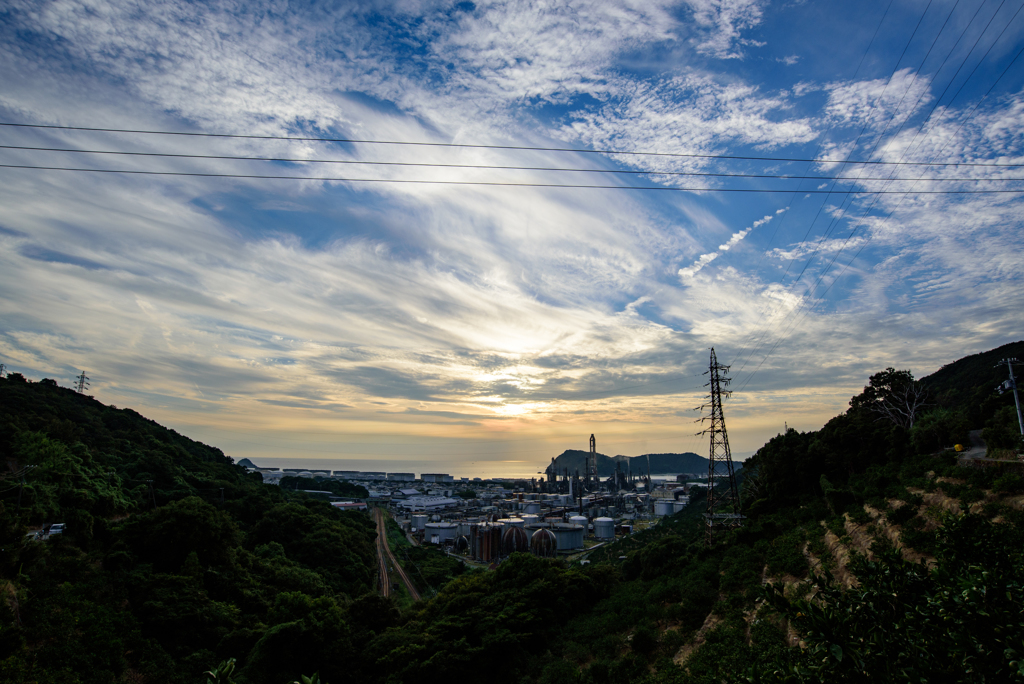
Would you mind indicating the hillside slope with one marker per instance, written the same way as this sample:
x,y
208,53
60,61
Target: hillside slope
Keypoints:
x,y
173,558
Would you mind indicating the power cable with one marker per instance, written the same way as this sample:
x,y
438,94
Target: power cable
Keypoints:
x,y
527,148
495,167
893,211
832,189
821,142
496,183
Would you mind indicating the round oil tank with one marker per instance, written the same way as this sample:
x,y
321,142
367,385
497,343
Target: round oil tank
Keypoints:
x,y
679,505
512,522
568,536
462,544
419,522
664,507
533,508
579,520
543,543
529,519
604,528
514,540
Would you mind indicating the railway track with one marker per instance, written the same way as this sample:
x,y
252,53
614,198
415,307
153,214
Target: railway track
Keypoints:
x,y
386,559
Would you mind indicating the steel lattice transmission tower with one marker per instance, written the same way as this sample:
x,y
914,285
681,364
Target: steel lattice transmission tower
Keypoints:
x,y
723,510
83,382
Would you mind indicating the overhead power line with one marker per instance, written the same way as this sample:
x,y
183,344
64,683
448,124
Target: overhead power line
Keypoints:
x,y
503,183
492,167
529,148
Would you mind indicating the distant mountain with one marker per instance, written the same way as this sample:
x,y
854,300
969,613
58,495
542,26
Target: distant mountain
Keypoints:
x,y
660,464
246,463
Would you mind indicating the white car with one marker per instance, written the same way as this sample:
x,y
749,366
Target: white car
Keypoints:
x,y
55,529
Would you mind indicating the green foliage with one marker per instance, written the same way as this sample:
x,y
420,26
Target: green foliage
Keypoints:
x,y
155,578
1002,431
222,673
938,429
958,622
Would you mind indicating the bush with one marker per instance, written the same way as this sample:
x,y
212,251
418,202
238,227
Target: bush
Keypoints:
x,y
1009,483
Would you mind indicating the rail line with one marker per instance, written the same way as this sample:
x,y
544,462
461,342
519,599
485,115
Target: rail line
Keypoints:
x,y
386,557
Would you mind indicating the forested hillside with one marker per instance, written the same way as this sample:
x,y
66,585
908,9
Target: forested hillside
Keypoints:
x,y
869,553
659,464
173,559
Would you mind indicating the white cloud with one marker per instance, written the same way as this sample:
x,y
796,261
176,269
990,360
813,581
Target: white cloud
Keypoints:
x,y
687,274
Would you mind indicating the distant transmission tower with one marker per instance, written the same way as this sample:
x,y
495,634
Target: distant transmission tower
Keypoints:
x,y
592,463
83,383
723,498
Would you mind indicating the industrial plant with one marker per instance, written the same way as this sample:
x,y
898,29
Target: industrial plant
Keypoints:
x,y
562,514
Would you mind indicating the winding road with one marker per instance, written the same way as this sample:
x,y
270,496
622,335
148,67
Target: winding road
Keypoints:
x,y
386,559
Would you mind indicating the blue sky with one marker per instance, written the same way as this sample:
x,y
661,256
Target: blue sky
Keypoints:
x,y
485,328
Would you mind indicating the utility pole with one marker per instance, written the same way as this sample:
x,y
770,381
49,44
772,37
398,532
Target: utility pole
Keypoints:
x,y
1011,384
83,383
723,511
2,369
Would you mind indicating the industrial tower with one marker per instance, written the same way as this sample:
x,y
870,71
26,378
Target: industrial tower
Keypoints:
x,y
723,510
83,382
592,464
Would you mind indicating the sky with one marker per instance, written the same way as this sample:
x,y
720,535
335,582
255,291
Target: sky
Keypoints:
x,y
762,179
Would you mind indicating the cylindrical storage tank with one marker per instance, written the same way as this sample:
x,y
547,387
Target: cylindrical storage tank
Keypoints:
x,y
514,540
528,519
664,507
569,537
579,520
678,506
512,522
462,544
533,508
543,543
464,528
604,528
418,522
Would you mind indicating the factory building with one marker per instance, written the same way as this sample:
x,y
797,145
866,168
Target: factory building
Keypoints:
x,y
427,503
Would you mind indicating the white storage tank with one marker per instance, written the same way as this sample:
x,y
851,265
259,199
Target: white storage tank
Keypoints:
x,y
529,519
533,508
604,528
418,522
580,520
679,505
568,536
664,507
512,522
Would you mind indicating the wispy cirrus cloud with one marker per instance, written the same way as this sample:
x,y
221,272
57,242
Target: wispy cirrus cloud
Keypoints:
x,y
435,312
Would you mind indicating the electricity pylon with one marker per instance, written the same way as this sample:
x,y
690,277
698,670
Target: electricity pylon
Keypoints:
x,y
723,510
83,383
